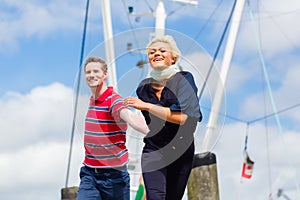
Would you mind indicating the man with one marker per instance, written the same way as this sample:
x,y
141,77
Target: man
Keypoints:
x,y
104,174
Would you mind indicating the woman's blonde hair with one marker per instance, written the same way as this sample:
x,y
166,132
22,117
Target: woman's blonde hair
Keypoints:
x,y
169,40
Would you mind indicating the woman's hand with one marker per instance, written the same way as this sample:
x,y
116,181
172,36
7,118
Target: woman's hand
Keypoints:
x,y
136,103
163,113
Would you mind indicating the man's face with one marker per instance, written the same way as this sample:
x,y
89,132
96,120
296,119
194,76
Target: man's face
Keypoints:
x,y
94,75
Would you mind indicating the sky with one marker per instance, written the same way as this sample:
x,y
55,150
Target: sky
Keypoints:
x,y
40,48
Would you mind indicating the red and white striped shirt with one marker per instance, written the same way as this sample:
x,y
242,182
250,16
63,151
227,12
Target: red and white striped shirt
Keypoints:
x,y
105,132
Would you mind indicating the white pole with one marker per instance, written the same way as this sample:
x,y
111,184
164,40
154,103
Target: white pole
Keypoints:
x,y
160,19
160,22
109,43
211,134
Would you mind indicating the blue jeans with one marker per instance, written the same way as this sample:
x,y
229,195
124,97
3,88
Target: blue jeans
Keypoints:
x,y
113,185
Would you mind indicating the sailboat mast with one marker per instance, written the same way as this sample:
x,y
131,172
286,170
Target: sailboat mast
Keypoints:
x,y
211,133
109,43
160,19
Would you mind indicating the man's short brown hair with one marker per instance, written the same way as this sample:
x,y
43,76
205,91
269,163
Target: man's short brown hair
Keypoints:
x,y
96,59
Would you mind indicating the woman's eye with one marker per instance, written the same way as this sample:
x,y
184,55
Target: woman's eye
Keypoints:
x,y
163,50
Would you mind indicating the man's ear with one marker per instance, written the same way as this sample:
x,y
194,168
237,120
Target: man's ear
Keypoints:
x,y
105,73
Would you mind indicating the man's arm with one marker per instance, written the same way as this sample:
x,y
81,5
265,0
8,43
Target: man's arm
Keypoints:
x,y
134,120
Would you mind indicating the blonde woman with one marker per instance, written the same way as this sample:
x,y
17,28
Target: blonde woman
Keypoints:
x,y
168,100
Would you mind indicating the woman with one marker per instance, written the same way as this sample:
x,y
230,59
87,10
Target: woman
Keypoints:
x,y
169,103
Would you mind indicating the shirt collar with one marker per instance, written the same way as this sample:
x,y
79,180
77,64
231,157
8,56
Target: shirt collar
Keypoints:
x,y
105,94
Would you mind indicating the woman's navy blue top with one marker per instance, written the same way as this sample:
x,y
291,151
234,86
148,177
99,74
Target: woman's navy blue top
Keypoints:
x,y
179,94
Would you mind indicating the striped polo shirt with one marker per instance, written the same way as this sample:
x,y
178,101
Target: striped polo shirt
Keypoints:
x,y
105,132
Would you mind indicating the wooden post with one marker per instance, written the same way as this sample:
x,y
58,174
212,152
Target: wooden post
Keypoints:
x,y
203,181
69,193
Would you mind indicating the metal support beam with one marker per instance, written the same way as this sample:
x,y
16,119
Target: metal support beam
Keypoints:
x,y
109,43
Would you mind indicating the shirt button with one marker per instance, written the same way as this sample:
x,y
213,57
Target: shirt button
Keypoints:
x,y
181,137
173,147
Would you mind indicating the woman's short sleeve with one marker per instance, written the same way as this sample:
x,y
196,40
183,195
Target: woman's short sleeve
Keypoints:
x,y
186,93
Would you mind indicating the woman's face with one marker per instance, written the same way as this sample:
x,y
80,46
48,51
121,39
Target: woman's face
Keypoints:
x,y
160,55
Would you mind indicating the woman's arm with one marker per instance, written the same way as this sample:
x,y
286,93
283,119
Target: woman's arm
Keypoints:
x,y
164,113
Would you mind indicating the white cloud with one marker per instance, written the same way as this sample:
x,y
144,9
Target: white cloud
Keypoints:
x,y
43,114
283,94
290,83
38,171
237,78
198,63
30,18
36,129
275,24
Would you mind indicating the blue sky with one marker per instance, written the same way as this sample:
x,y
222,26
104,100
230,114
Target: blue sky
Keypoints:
x,y
39,58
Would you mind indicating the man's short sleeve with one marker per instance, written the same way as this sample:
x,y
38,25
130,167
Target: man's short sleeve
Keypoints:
x,y
117,104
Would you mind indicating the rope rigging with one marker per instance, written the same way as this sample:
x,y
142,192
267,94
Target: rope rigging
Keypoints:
x,y
266,125
278,121
175,10
217,50
208,20
131,27
267,81
256,119
77,90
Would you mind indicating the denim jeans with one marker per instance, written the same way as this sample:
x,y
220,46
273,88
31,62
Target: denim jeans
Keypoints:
x,y
103,186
